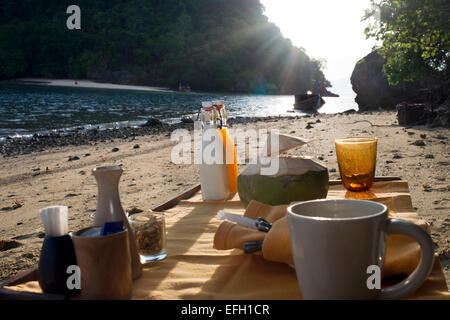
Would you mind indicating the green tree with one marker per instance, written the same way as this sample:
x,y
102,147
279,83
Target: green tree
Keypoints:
x,y
223,45
13,53
414,35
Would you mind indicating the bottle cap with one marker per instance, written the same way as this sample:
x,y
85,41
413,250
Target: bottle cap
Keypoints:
x,y
207,104
218,102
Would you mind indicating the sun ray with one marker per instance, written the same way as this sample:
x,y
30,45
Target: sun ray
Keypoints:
x,y
327,29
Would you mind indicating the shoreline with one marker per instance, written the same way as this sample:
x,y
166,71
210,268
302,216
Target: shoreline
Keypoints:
x,y
20,128
85,83
37,142
89,84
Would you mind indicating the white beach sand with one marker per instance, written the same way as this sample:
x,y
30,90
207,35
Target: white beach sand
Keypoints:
x,y
90,84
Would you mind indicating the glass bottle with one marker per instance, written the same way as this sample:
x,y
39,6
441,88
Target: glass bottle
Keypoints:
x,y
212,165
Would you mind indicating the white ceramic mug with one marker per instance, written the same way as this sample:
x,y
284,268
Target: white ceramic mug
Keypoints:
x,y
335,241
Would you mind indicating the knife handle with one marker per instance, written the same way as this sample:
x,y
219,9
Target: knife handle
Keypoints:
x,y
263,225
252,246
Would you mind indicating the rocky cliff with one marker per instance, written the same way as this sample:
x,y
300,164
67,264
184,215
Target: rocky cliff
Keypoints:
x,y
373,90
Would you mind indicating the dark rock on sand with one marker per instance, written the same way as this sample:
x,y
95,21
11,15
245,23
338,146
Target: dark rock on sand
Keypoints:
x,y
115,149
70,195
153,122
419,143
73,158
411,114
9,244
187,120
350,111
440,117
419,114
373,90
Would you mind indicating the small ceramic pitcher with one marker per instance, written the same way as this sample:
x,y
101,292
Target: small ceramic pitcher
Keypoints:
x,y
110,209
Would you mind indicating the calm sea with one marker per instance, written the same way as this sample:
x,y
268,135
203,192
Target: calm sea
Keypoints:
x,y
27,109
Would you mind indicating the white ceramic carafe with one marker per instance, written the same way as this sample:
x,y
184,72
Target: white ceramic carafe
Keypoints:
x,y
110,209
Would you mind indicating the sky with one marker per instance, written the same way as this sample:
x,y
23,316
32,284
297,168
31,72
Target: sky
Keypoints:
x,y
329,29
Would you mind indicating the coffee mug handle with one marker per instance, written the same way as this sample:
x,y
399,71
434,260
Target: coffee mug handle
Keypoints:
x,y
423,270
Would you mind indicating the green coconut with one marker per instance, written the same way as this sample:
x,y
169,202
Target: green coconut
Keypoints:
x,y
297,179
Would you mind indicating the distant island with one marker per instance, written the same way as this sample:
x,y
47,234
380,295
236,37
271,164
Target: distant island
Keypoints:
x,y
219,45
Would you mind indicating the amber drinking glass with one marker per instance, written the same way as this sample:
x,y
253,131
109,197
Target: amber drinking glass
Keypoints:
x,y
357,161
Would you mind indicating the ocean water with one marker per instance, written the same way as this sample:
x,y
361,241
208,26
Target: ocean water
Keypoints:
x,y
26,109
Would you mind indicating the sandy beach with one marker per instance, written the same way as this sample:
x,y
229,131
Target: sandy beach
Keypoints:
x,y
61,175
88,84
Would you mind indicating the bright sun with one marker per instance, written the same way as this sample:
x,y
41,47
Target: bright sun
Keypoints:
x,y
328,29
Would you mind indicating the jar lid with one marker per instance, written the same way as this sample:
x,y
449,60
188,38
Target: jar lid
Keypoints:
x,y
218,103
207,104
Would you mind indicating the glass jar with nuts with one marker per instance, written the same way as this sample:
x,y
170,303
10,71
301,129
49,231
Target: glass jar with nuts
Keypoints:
x,y
150,233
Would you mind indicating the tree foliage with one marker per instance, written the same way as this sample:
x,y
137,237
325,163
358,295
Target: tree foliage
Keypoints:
x,y
210,44
415,37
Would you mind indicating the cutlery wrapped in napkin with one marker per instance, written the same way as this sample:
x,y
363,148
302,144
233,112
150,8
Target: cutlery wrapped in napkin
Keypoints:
x,y
402,253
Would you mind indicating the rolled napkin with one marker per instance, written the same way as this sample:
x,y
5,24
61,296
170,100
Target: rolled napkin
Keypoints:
x,y
402,253
54,220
